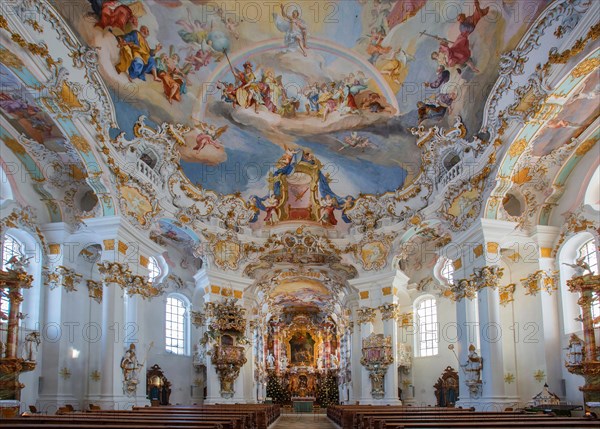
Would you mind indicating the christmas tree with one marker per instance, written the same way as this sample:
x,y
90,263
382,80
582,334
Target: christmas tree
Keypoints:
x,y
328,392
276,392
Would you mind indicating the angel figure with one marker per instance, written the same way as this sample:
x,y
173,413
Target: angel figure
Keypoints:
x,y
396,62
294,27
580,267
209,135
193,31
17,262
230,23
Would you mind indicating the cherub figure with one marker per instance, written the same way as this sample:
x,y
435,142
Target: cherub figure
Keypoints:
x,y
209,136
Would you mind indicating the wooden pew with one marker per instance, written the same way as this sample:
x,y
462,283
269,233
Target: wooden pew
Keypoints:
x,y
401,417
235,416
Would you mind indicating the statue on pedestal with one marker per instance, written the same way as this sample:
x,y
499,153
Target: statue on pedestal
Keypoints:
x,y
271,360
472,370
32,342
130,367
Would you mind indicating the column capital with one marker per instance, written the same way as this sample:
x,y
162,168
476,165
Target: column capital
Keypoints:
x,y
365,315
388,311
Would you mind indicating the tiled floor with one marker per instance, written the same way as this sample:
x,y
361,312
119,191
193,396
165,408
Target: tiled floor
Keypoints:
x,y
306,421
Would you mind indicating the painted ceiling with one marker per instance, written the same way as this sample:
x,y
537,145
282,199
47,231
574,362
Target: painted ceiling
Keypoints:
x,y
341,81
334,115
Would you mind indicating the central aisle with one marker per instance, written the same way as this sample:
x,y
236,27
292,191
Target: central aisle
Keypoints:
x,y
306,421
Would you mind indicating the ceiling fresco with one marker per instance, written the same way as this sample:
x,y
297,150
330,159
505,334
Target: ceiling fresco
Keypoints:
x,y
578,113
300,293
20,107
341,82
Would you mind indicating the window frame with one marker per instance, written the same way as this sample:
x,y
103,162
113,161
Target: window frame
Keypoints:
x,y
421,330
590,257
170,333
16,248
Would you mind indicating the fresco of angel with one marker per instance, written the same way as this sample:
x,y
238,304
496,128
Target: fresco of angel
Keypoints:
x,y
294,27
209,135
375,47
355,141
396,62
193,30
231,24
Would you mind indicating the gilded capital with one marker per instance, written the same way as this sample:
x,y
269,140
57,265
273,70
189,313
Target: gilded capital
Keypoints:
x,y
487,276
388,311
365,315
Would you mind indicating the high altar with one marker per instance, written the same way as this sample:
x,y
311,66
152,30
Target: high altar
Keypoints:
x,y
303,362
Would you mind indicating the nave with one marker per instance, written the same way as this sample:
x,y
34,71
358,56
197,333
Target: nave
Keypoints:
x,y
214,212
239,416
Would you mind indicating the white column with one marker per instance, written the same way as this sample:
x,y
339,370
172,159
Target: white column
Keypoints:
x,y
491,346
55,332
550,329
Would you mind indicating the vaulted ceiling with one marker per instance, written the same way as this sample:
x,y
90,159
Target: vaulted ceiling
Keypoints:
x,y
216,127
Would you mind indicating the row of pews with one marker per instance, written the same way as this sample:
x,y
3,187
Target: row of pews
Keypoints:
x,y
230,416
403,417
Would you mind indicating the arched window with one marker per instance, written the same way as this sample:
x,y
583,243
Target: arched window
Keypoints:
x,y
153,269
447,271
10,247
427,329
589,254
176,325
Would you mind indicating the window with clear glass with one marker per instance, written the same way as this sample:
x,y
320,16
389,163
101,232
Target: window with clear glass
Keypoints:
x,y
590,256
10,247
176,326
447,271
427,329
153,269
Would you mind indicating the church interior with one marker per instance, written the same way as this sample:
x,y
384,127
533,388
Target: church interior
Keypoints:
x,y
207,221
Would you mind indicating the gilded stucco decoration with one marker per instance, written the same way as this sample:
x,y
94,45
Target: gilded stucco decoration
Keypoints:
x,y
464,198
227,327
372,250
540,280
95,290
365,315
63,276
487,276
226,250
299,246
576,222
24,218
389,311
133,284
463,288
198,318
507,294
377,356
